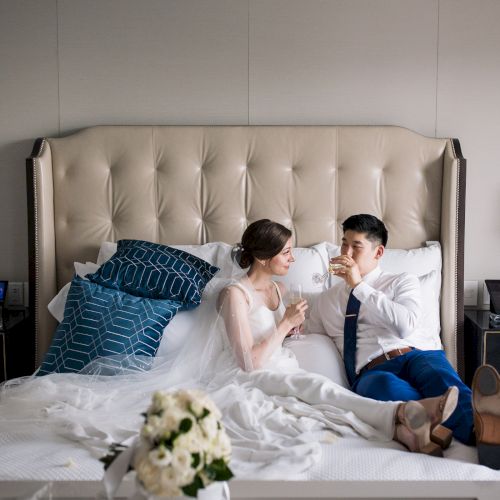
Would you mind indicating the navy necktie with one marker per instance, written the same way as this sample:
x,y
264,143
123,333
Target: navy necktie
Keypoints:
x,y
350,326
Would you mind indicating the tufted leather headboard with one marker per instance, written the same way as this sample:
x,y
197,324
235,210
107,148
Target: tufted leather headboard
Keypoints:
x,y
196,184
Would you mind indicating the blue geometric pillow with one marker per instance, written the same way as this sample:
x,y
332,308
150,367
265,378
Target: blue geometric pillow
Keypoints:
x,y
156,271
99,322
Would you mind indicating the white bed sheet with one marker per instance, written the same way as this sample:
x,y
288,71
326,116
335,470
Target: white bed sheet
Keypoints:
x,y
48,457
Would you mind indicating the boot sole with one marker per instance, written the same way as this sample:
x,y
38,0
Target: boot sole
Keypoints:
x,y
489,455
487,383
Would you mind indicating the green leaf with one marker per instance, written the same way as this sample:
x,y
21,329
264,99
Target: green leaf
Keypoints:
x,y
196,460
114,450
168,442
191,490
218,470
185,425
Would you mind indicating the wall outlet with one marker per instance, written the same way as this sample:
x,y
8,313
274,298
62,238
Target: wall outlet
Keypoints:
x,y
470,293
486,295
15,294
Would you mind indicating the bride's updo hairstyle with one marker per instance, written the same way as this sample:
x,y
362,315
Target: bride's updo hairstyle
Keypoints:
x,y
262,239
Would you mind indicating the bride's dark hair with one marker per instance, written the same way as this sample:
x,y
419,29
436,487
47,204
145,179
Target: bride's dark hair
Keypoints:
x,y
262,239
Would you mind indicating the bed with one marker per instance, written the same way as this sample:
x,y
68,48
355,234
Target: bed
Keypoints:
x,y
197,185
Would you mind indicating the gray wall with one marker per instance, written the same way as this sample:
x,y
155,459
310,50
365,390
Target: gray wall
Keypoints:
x,y
430,65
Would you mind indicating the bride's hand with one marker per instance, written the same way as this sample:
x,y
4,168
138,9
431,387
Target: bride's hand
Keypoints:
x,y
295,314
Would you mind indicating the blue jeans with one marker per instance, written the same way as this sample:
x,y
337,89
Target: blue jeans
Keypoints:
x,y
416,375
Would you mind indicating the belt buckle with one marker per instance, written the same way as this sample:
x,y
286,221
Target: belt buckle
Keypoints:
x,y
387,356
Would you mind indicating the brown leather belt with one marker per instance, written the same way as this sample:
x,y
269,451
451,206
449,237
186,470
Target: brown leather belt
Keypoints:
x,y
385,357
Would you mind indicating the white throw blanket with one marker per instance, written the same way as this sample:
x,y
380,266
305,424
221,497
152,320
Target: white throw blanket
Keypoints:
x,y
277,416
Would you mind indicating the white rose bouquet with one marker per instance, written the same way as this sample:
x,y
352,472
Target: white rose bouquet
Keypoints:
x,y
183,445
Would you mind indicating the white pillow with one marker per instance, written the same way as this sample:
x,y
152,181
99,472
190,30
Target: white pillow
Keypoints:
x,y
83,269
308,262
319,354
177,331
186,325
426,263
57,304
217,254
108,248
430,319
417,261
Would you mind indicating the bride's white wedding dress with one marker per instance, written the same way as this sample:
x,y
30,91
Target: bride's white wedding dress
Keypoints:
x,y
276,416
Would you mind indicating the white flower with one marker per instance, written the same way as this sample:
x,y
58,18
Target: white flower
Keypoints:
x,y
169,485
148,474
185,398
181,464
170,420
197,408
193,441
209,426
161,401
160,456
147,431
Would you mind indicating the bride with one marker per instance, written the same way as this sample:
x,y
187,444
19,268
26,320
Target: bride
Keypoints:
x,y
256,323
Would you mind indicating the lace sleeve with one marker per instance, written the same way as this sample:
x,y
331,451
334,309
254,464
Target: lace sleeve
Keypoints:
x,y
234,307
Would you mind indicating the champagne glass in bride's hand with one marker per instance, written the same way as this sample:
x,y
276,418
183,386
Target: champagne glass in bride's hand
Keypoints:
x,y
294,297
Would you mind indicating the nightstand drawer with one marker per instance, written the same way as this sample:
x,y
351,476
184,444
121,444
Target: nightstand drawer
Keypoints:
x,y
481,343
16,354
491,348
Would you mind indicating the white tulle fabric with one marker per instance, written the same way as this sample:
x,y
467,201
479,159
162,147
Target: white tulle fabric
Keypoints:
x,y
275,415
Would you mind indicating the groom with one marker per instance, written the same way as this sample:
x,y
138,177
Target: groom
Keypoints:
x,y
373,318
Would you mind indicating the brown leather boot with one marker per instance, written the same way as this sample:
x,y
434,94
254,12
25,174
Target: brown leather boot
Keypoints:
x,y
439,409
413,428
486,405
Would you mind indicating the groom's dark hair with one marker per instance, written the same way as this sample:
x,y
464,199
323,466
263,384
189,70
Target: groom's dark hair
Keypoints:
x,y
374,228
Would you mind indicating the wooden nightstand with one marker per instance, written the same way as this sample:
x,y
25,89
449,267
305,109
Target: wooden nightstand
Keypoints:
x,y
481,342
16,356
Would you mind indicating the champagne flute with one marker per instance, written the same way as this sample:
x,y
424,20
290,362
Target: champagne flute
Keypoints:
x,y
319,279
294,297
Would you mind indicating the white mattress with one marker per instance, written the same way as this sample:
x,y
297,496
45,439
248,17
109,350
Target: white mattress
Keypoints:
x,y
52,458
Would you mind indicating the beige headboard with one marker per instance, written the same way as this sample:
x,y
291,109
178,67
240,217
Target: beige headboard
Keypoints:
x,y
196,184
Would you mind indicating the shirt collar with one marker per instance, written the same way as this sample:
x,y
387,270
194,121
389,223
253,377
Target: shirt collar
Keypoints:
x,y
372,275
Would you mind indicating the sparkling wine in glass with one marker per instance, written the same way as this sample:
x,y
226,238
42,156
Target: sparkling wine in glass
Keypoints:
x,y
319,279
294,297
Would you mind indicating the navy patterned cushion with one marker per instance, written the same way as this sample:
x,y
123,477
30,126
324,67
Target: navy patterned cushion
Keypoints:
x,y
102,322
156,271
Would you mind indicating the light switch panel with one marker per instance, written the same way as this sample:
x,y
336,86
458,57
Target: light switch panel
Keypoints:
x,y
470,293
15,295
486,295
